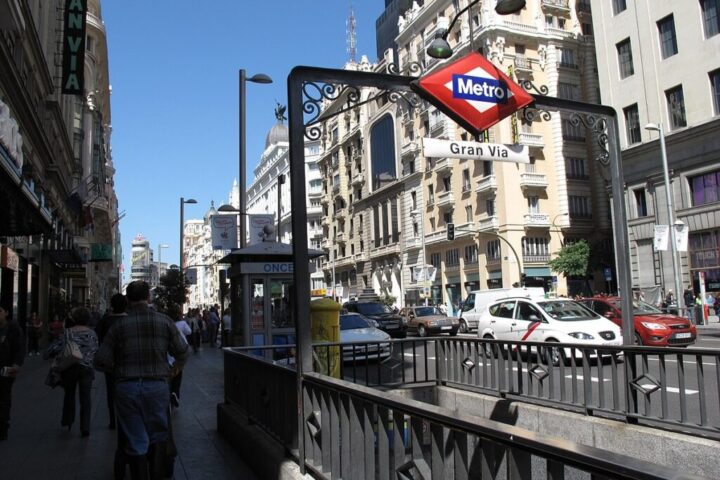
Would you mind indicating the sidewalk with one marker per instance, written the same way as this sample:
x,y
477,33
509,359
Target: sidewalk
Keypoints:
x,y
38,448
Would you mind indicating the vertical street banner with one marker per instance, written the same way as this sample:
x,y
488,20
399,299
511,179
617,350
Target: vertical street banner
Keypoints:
x,y
660,239
191,276
223,229
681,237
261,228
73,60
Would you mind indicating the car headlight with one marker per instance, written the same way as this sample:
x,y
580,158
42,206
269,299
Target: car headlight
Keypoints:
x,y
432,323
373,323
654,326
581,335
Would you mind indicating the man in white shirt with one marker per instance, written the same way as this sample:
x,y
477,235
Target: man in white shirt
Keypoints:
x,y
226,327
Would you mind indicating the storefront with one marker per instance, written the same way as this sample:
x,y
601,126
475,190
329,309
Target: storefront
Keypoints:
x,y
704,253
494,279
538,277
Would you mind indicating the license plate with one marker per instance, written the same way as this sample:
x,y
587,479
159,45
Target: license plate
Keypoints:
x,y
683,335
446,328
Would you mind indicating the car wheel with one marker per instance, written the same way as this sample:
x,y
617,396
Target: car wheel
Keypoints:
x,y
421,331
464,326
638,340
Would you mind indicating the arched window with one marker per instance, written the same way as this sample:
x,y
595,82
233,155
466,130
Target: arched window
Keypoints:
x,y
382,152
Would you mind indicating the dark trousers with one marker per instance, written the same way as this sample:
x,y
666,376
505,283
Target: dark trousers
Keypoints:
x,y
74,377
5,396
110,394
175,383
33,343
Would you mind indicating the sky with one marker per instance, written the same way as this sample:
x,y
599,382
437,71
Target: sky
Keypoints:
x,y
174,73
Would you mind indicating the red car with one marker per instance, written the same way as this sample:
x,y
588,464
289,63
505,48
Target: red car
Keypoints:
x,y
652,326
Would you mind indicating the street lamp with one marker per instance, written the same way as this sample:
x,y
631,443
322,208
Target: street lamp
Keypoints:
x,y
160,247
670,211
182,235
555,227
422,246
258,78
440,48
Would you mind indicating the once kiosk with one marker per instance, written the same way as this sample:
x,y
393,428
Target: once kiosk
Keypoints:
x,y
261,295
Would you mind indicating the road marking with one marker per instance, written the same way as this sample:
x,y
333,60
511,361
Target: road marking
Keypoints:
x,y
670,389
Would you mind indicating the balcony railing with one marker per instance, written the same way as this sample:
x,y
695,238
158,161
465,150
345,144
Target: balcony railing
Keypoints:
x,y
443,164
536,220
445,199
523,63
413,242
531,139
410,148
360,257
557,5
533,180
489,223
536,258
487,184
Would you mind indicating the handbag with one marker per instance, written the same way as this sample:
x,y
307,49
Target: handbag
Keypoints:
x,y
70,354
53,378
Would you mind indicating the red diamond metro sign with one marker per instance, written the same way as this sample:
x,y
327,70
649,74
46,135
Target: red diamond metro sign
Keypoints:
x,y
473,92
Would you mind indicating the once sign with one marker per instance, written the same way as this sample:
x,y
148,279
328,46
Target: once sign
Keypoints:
x,y
433,147
473,92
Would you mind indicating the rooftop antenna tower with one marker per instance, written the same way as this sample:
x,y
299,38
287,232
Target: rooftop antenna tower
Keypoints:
x,y
351,36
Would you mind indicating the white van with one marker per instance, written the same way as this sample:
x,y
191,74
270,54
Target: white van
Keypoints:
x,y
478,300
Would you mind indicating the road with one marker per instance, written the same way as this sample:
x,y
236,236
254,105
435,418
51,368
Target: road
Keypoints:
x,y
682,401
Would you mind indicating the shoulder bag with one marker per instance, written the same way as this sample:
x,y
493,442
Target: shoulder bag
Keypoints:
x,y
70,354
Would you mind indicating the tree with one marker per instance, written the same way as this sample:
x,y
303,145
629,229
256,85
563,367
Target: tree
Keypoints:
x,y
388,300
171,291
572,259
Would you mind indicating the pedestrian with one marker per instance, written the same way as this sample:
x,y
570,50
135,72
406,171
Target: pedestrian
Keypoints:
x,y
226,327
55,328
205,325
175,315
135,349
689,298
12,354
79,376
213,326
34,332
195,325
118,306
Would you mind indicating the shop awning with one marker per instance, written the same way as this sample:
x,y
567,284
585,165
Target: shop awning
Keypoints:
x,y
538,272
495,275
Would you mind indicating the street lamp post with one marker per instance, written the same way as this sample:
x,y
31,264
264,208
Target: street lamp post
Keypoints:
x,y
182,235
258,78
160,247
670,212
555,227
422,250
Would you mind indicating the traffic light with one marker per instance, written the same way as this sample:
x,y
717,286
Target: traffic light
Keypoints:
x,y
451,231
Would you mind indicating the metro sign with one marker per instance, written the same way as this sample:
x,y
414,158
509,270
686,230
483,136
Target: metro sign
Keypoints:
x,y
473,92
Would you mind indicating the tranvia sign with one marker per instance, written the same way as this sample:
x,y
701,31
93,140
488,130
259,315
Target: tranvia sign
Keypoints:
x,y
473,92
73,64
433,147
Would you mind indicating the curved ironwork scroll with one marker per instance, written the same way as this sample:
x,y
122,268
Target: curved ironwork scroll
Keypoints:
x,y
413,69
530,114
529,86
597,125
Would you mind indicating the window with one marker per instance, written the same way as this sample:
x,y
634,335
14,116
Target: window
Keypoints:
x,y
711,17
619,6
431,195
705,188
533,204
632,124
466,180
448,217
468,213
568,91
575,168
452,258
567,57
447,183
640,202
668,39
382,152
625,60
413,200
490,207
471,254
579,206
535,246
573,132
487,168
586,28
493,250
416,229
435,260
676,107
715,90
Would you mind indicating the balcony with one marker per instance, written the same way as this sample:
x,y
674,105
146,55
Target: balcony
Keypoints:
x,y
360,257
536,220
358,179
532,139
523,64
324,200
336,189
314,210
487,184
559,6
466,229
437,129
409,148
340,213
533,180
325,221
436,237
445,199
413,242
536,258
315,193
489,223
443,164
340,237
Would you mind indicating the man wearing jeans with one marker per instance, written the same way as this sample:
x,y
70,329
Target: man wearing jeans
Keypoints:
x,y
135,350
689,297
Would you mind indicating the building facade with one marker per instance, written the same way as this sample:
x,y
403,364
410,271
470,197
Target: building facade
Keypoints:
x,y
659,63
59,222
401,201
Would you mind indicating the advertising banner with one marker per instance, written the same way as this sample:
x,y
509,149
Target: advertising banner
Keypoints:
x,y
223,230
191,276
681,237
261,228
660,241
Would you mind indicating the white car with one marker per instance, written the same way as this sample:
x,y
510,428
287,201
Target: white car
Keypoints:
x,y
356,328
556,320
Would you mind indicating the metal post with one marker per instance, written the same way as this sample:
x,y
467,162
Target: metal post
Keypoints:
x,y
424,254
241,153
671,219
182,239
281,181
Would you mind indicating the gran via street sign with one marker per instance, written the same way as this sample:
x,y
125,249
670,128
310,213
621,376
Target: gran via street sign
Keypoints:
x,y
473,92
434,147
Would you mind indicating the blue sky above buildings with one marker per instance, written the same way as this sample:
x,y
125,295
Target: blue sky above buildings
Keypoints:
x,y
174,73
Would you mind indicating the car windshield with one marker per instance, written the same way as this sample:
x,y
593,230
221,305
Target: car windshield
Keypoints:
x,y
567,311
639,307
427,311
351,322
372,308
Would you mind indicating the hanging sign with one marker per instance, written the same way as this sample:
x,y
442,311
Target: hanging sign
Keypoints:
x,y
223,230
73,61
262,228
473,92
433,147
660,240
681,237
